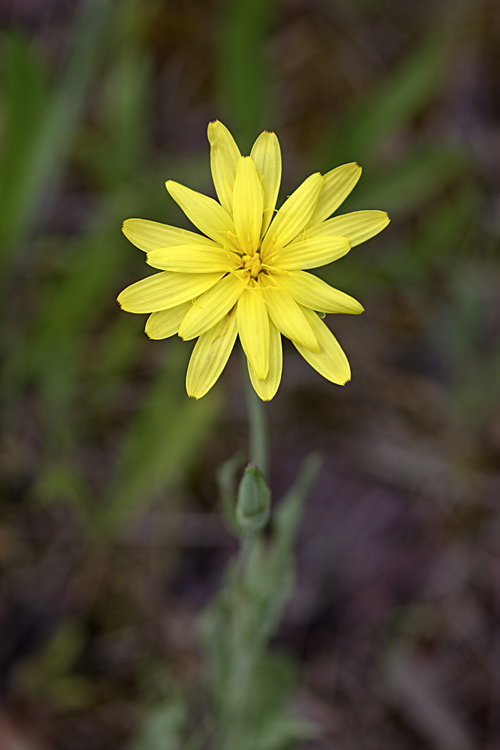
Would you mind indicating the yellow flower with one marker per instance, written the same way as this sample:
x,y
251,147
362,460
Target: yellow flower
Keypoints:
x,y
246,274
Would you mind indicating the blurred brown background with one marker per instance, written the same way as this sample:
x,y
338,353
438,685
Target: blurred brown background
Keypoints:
x,y
110,536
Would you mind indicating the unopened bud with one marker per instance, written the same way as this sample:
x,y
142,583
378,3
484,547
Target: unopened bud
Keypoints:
x,y
253,505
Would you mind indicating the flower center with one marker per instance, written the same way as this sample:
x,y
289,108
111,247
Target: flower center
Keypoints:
x,y
252,263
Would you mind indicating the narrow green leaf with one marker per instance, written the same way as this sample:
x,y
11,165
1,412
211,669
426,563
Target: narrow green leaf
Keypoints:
x,y
242,66
52,133
390,107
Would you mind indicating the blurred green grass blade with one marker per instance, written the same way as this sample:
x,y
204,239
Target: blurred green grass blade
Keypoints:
x,y
289,512
163,440
93,274
442,235
51,673
162,727
78,301
125,114
24,101
243,67
465,334
401,95
410,182
25,88
53,130
115,355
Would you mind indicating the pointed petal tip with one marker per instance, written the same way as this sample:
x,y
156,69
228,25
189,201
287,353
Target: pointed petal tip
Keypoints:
x,y
212,125
263,398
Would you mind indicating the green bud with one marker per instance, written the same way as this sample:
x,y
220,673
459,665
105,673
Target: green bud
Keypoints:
x,y
253,505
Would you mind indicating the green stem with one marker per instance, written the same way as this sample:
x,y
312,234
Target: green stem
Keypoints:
x,y
257,422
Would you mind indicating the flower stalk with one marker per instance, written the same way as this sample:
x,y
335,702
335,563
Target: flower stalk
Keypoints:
x,y
257,423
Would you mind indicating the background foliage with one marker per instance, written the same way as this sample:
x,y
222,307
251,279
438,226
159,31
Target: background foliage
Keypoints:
x,y
110,537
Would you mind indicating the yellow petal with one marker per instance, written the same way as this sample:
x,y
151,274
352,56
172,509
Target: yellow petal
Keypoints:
x,y
210,355
253,327
266,154
211,307
314,293
150,235
224,155
331,362
165,290
309,253
247,205
337,185
165,323
266,388
358,226
204,212
293,214
190,259
287,316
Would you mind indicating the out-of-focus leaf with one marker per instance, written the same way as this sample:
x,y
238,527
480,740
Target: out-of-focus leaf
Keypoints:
x,y
115,354
126,113
226,482
25,100
53,130
411,687
61,482
114,152
465,333
50,675
242,66
401,187
162,441
162,727
441,234
400,96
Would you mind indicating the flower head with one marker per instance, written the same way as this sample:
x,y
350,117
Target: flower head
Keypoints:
x,y
247,274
